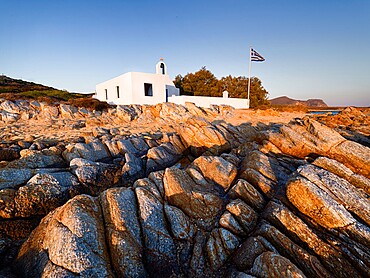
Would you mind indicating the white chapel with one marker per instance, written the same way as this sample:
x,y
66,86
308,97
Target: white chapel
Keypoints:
x,y
138,87
152,88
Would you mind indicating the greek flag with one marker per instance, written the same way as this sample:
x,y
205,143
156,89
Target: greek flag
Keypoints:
x,y
256,57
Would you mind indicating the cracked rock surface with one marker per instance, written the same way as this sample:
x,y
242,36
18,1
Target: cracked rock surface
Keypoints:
x,y
205,198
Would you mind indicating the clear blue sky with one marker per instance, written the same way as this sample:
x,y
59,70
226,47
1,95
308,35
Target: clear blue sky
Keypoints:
x,y
313,48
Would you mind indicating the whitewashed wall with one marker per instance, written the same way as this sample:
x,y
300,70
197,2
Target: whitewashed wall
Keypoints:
x,y
131,87
125,89
158,82
207,101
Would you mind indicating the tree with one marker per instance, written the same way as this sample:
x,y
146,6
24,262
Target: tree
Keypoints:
x,y
201,83
178,81
238,88
204,83
258,94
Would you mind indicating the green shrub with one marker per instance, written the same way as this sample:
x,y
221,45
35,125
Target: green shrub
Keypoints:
x,y
56,94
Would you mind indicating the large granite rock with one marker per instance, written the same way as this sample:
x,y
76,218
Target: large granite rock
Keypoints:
x,y
182,192
14,177
123,232
200,136
160,248
305,137
216,169
93,151
269,264
43,193
95,176
161,157
33,159
69,241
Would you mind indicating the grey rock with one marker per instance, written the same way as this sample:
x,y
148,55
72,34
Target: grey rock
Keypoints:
x,y
245,191
100,131
244,214
127,113
160,249
157,178
133,169
9,117
43,193
14,177
220,245
281,216
268,166
259,181
96,176
180,225
93,151
84,112
53,270
150,186
353,199
123,232
140,145
126,146
112,147
160,157
177,143
38,159
229,222
245,255
195,201
68,111
9,106
344,172
71,237
237,274
269,264
216,169
198,264
231,158
304,260
318,204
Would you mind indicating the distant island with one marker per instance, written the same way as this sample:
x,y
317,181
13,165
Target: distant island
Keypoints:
x,y
286,101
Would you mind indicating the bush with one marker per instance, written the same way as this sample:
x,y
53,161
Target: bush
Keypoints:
x,y
56,94
89,103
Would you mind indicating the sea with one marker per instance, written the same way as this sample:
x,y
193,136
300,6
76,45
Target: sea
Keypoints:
x,y
323,112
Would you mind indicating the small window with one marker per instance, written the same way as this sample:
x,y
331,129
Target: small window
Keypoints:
x,y
148,88
117,91
106,94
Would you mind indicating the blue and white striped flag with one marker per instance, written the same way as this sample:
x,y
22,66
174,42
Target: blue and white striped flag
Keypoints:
x,y
256,57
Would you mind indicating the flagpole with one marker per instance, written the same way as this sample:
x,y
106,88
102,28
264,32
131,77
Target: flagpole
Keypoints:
x,y
249,79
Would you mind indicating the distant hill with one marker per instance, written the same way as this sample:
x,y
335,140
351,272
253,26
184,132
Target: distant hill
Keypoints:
x,y
286,101
13,89
10,85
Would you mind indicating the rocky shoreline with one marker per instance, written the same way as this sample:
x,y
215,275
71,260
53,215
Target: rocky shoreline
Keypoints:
x,y
179,191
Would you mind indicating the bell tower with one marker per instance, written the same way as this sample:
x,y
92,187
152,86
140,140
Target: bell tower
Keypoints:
x,y
161,67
